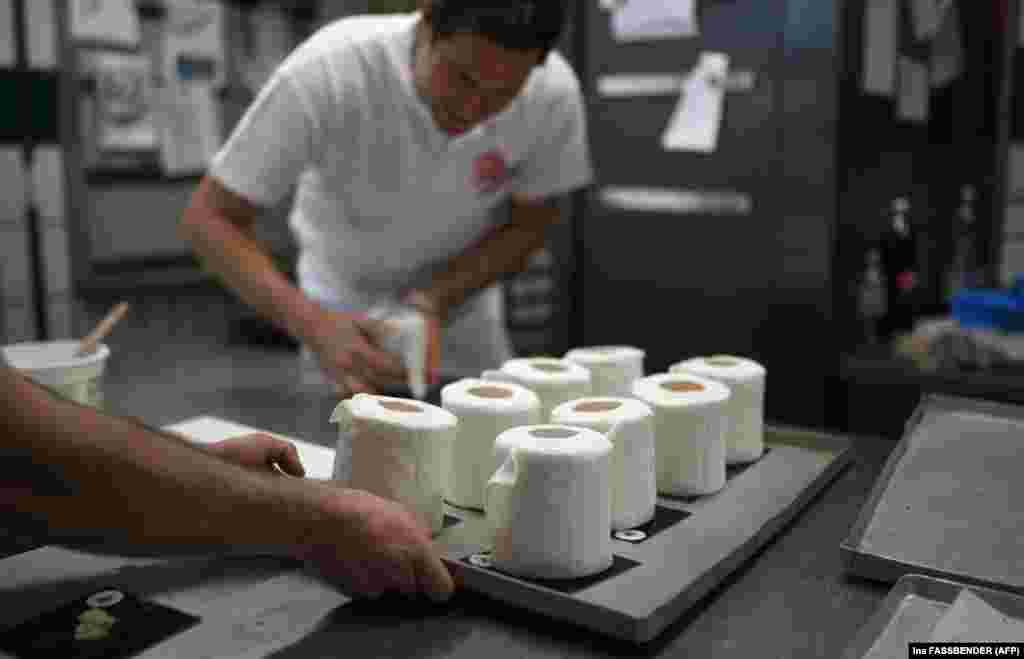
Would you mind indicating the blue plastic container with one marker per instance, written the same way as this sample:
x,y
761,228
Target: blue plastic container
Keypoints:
x,y
991,308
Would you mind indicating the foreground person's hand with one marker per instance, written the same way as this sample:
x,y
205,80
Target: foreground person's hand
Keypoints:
x,y
371,546
259,451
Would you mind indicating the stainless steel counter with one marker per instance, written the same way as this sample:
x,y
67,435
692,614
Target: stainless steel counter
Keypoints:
x,y
790,600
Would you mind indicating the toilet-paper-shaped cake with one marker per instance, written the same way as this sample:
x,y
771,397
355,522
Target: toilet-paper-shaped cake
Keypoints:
x,y
744,439
628,424
549,504
395,448
689,431
485,409
613,369
553,380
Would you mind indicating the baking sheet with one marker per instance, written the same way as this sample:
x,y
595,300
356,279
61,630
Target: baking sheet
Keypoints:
x,y
692,545
911,610
950,499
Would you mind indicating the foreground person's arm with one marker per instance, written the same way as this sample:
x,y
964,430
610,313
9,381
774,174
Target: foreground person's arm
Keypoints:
x,y
144,487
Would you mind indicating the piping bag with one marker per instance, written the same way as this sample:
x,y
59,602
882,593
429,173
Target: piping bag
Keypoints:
x,y
416,339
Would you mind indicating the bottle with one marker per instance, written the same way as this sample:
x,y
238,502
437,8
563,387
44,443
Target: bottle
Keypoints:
x,y
899,259
963,271
872,296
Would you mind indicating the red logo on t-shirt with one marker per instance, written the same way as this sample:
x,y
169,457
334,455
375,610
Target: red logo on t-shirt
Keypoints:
x,y
490,171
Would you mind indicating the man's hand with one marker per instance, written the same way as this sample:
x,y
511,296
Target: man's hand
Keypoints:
x,y
371,546
346,348
259,451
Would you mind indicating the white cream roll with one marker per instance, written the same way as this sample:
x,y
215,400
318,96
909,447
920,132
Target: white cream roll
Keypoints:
x,y
689,431
485,409
549,504
628,424
744,439
613,369
553,380
395,448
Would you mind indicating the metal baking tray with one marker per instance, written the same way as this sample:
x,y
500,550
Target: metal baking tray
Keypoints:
x,y
911,610
950,499
691,546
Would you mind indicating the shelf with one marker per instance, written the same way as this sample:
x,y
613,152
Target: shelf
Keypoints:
x,y
146,174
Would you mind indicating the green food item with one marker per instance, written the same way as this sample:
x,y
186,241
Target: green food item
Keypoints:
x,y
90,632
97,617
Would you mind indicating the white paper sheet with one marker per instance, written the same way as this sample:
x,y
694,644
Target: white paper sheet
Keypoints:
x,y
947,53
880,43
914,90
638,85
8,54
41,32
194,29
655,19
677,201
317,460
695,123
190,127
124,94
113,22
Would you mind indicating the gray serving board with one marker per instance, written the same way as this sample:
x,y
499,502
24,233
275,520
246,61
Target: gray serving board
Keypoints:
x,y
675,567
950,499
911,610
671,570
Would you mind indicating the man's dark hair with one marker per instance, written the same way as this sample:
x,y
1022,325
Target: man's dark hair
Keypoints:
x,y
512,24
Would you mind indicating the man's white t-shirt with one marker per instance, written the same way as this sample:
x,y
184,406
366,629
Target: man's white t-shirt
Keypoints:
x,y
384,198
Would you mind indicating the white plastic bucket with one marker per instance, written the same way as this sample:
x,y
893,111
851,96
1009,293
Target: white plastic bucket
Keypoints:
x,y
53,364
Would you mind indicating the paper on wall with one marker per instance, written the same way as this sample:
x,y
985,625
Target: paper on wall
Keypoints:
x,y
124,102
194,30
41,34
655,19
105,21
677,201
881,34
695,123
914,90
8,54
190,129
638,85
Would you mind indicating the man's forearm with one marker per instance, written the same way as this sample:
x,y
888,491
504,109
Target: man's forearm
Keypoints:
x,y
502,251
142,486
238,260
